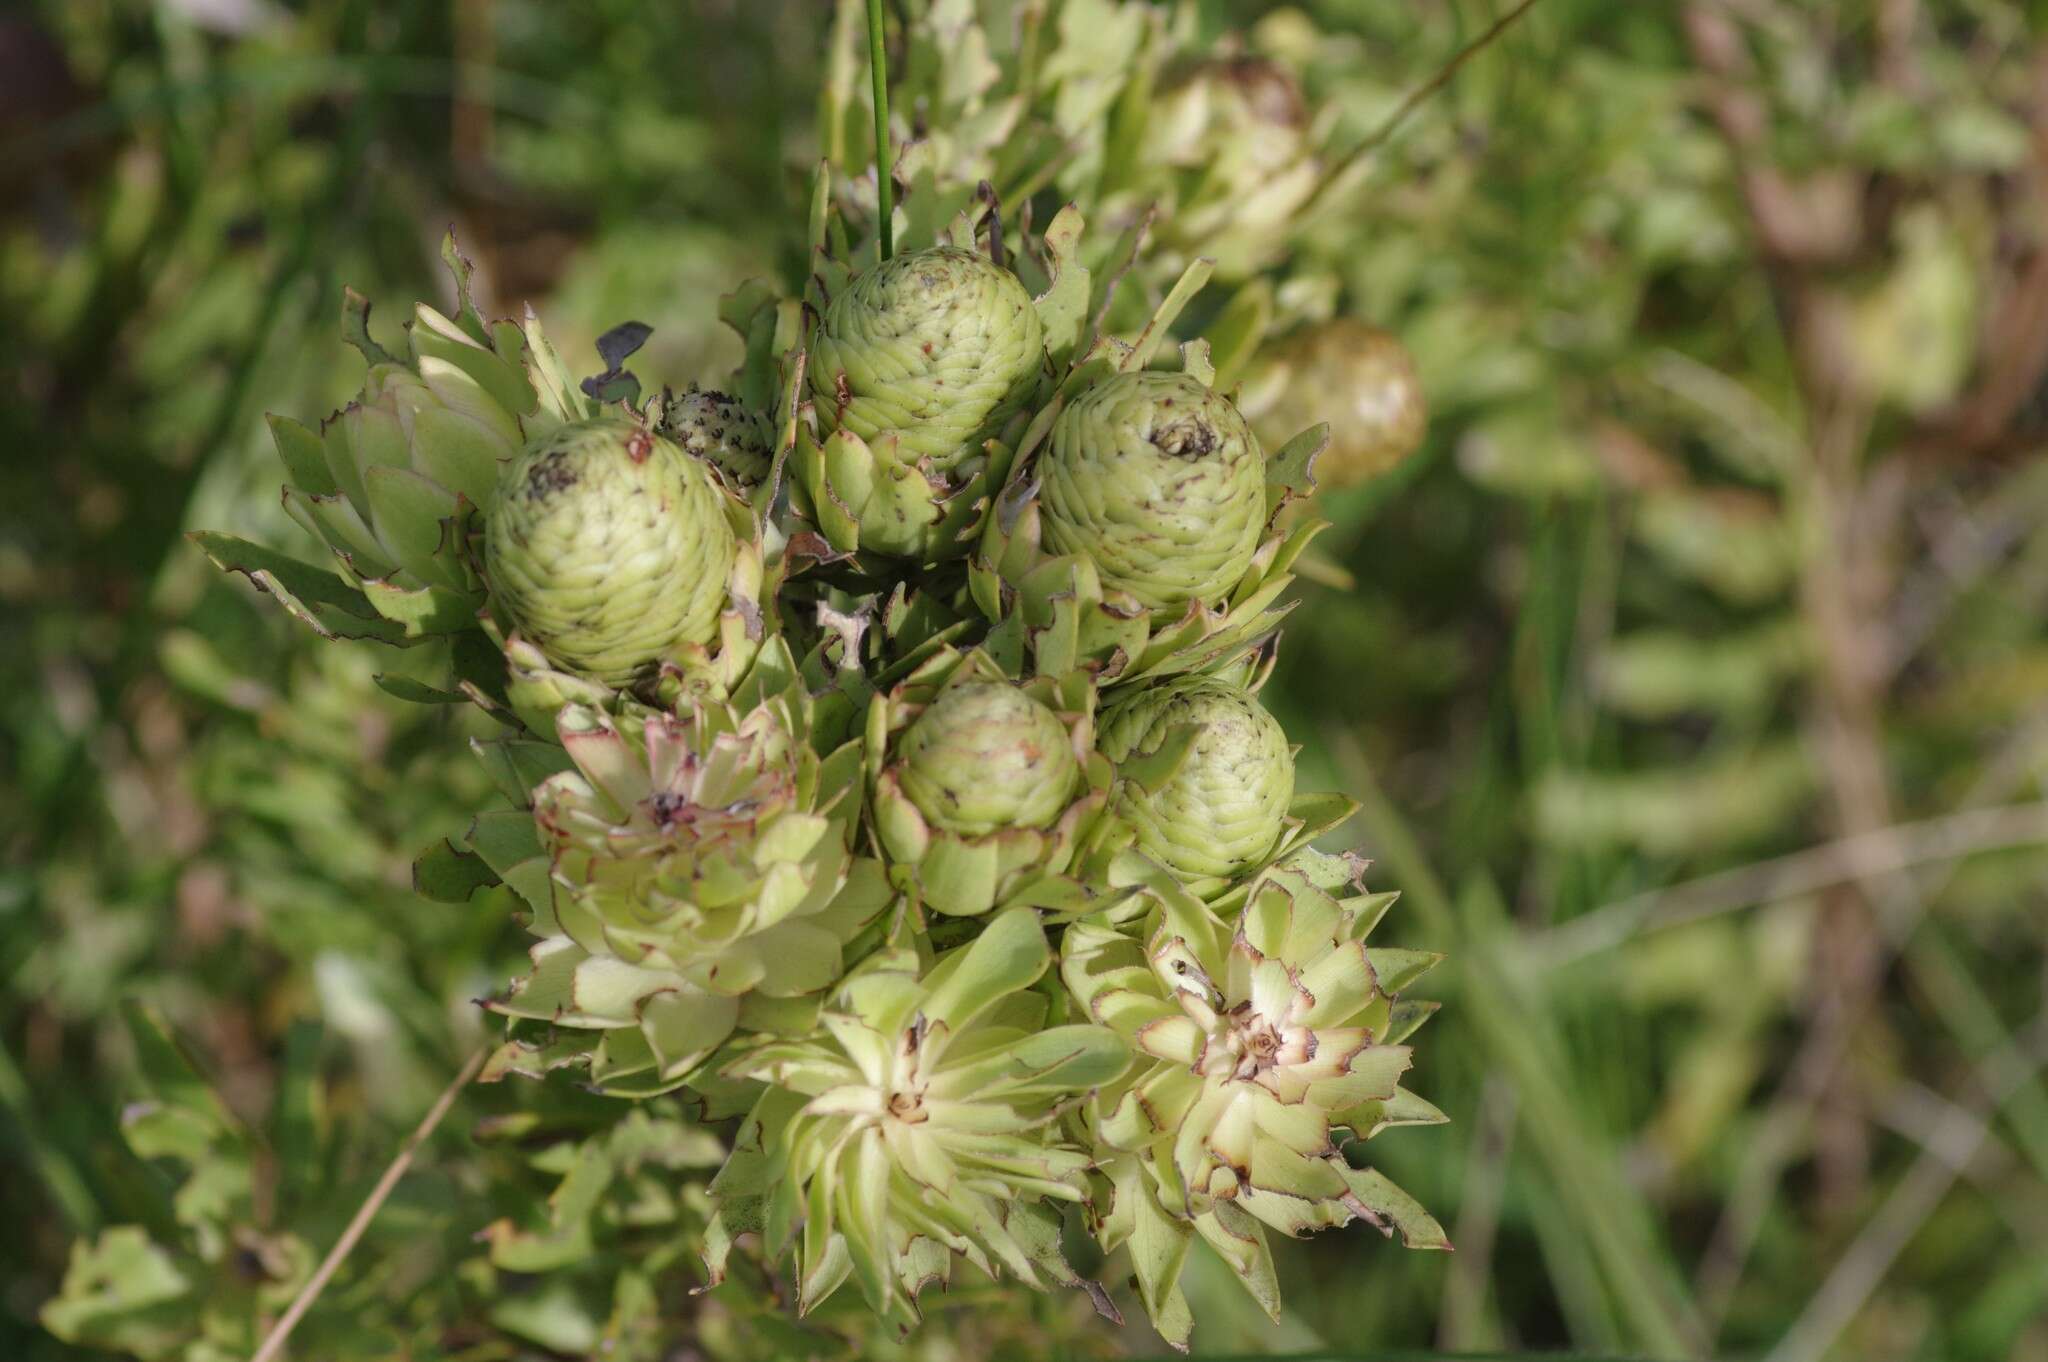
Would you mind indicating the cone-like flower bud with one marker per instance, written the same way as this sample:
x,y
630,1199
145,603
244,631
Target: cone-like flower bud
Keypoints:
x,y
722,431
1160,483
1362,382
1220,811
983,789
608,547
987,756
938,348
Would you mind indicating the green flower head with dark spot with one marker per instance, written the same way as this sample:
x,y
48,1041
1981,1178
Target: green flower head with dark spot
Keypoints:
x,y
1158,481
607,547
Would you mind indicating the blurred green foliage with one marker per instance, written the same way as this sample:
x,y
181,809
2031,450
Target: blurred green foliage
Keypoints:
x,y
1727,544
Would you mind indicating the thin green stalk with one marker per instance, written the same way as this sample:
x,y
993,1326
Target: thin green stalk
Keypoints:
x,y
1341,176
61,1178
1511,1024
1515,1027
885,188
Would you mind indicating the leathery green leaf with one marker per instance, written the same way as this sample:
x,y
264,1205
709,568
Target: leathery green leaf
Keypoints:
x,y
1392,1209
1009,954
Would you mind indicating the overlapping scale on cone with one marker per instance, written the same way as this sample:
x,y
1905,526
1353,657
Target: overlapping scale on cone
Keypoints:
x,y
607,547
917,368
934,349
1155,479
1138,534
1223,807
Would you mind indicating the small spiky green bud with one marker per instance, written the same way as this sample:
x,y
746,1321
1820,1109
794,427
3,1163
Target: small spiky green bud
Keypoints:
x,y
722,431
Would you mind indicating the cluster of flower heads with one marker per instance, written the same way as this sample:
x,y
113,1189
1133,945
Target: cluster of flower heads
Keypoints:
x,y
886,761
1134,113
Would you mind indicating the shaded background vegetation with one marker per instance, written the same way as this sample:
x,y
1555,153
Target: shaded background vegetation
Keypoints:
x,y
1692,673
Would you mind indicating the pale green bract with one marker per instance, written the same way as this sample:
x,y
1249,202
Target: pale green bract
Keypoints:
x,y
607,548
1157,480
393,482
1264,1044
1222,809
690,866
917,1125
443,428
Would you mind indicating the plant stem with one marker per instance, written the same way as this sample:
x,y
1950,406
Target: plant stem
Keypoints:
x,y
1516,1031
1355,162
1866,856
66,1185
274,1342
885,187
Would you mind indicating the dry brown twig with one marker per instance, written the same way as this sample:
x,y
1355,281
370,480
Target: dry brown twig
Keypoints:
x,y
1344,176
1866,856
1860,1269
274,1341
1845,569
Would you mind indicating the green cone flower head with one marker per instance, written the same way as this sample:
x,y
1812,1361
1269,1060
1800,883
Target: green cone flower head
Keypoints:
x,y
985,756
608,548
1139,534
918,1123
938,348
1263,1046
1221,807
692,862
723,432
983,788
915,367
1360,379
1158,481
